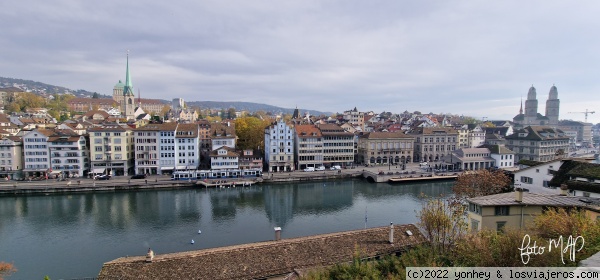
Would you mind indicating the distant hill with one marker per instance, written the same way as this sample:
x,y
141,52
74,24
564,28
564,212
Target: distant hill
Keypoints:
x,y
42,88
251,107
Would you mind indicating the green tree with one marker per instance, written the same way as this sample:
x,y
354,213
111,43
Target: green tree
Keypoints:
x,y
470,120
95,95
231,113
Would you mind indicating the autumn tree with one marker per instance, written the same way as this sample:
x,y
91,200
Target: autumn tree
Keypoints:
x,y
58,106
165,109
24,101
250,131
443,223
480,182
6,269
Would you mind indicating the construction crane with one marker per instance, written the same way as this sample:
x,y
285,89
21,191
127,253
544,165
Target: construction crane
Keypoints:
x,y
585,113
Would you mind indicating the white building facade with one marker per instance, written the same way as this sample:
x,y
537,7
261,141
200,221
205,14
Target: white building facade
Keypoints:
x,y
36,154
536,178
279,147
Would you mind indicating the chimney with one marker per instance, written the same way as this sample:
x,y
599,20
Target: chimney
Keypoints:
x,y
564,190
277,233
150,255
519,195
391,233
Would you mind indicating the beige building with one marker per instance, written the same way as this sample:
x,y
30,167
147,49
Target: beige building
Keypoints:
x,y
11,157
432,143
147,149
355,118
309,146
470,159
79,104
583,131
517,209
338,145
112,149
385,148
538,143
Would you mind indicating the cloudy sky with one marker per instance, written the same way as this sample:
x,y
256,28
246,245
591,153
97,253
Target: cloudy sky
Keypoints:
x,y
475,58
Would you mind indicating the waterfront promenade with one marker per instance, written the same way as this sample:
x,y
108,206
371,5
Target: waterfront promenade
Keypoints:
x,y
378,174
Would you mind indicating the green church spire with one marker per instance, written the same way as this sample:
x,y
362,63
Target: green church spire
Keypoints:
x,y
128,89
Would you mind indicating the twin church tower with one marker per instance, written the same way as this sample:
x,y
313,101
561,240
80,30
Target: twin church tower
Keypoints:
x,y
531,115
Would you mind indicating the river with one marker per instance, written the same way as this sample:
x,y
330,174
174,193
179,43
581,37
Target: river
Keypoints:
x,y
71,236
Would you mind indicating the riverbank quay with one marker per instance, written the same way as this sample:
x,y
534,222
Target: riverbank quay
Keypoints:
x,y
278,259
373,174
16,188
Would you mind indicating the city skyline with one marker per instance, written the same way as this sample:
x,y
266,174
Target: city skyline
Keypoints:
x,y
464,57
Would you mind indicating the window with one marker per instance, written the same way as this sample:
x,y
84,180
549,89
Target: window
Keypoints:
x,y
500,226
502,210
475,208
474,225
526,180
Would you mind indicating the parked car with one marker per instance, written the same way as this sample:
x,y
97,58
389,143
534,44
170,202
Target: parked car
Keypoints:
x,y
320,168
335,167
309,169
102,177
139,176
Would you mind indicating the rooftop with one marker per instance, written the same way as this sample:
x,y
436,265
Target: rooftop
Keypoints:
x,y
264,259
504,199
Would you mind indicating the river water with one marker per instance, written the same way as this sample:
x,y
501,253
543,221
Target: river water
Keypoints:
x,y
71,236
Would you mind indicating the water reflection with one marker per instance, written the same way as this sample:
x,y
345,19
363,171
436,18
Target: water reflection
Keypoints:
x,y
113,225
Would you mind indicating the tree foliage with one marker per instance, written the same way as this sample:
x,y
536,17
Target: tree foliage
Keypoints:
x,y
480,182
6,269
231,113
24,101
250,131
443,223
58,106
486,248
470,120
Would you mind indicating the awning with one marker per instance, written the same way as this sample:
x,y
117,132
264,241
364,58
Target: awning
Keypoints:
x,y
167,168
55,172
98,170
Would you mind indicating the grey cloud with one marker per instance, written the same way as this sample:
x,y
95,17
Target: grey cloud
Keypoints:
x,y
464,57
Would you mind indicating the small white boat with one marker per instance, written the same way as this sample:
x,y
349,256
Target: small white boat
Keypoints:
x,y
199,231
192,241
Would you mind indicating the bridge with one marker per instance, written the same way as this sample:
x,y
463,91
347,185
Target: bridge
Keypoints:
x,y
398,177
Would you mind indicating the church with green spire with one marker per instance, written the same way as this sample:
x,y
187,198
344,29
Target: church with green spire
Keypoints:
x,y
124,96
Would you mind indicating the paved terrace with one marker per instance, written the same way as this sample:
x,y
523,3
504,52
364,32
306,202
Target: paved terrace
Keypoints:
x,y
265,259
